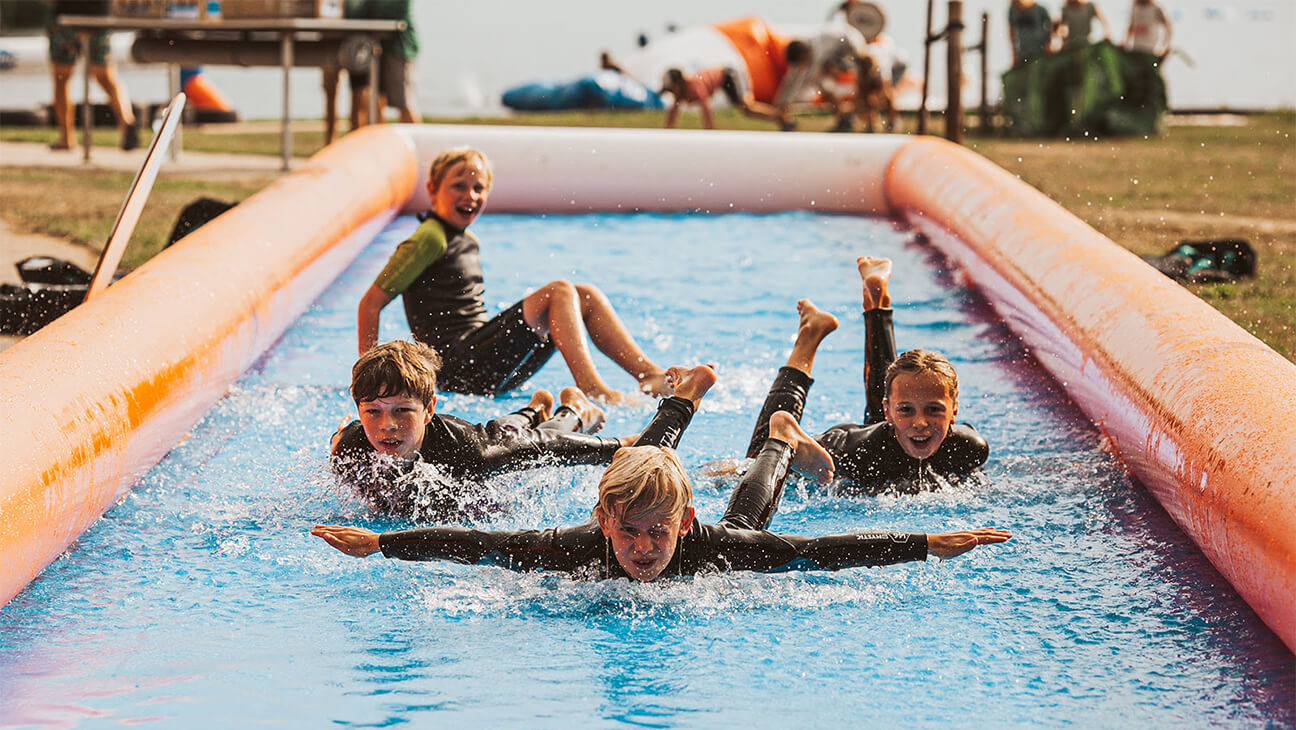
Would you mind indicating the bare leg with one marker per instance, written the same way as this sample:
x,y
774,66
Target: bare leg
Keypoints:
x,y
563,311
811,459
815,325
359,108
591,416
63,117
541,402
876,276
106,76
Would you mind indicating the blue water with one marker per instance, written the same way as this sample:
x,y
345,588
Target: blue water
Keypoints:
x,y
200,601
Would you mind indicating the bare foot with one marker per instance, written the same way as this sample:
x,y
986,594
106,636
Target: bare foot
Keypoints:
x,y
811,459
591,416
542,404
876,275
691,383
814,321
721,467
654,384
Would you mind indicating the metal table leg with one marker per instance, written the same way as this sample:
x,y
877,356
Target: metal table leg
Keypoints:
x,y
87,118
286,56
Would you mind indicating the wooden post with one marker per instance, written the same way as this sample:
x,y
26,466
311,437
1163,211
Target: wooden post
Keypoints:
x,y
954,66
983,113
927,43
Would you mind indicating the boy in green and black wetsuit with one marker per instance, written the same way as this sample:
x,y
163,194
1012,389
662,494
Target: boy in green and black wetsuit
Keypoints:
x,y
437,272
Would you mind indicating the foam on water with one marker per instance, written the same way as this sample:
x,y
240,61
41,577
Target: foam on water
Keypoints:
x,y
200,599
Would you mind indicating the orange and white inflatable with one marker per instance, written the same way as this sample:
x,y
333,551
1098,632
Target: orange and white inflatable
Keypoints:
x,y
1198,409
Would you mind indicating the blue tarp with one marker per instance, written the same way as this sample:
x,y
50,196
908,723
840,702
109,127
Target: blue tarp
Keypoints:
x,y
599,90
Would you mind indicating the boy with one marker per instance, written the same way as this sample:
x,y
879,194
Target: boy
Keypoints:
x,y
394,388
701,86
908,425
814,63
644,525
437,273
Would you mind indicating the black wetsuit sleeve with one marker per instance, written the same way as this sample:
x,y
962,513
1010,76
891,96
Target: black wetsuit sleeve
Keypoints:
x,y
787,393
756,497
504,447
716,547
879,353
563,549
668,424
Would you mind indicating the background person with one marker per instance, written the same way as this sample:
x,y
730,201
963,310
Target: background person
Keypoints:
x,y
64,49
1149,29
1029,31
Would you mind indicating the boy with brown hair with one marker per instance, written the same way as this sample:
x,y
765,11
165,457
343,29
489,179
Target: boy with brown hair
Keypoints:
x,y
437,273
644,525
394,388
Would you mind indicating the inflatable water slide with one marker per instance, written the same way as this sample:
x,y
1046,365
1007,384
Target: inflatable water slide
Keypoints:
x,y
1196,408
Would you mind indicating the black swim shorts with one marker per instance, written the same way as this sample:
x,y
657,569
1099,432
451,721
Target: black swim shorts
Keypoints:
x,y
496,357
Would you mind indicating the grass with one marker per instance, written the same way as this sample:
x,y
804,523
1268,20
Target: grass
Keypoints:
x,y
1146,194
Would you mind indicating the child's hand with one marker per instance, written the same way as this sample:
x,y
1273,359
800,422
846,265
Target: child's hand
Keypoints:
x,y
950,544
355,541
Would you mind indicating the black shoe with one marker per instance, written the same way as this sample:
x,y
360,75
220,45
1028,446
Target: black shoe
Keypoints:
x,y
843,125
787,126
130,138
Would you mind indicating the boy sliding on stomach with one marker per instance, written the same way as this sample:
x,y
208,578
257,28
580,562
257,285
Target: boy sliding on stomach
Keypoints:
x,y
912,400
437,273
644,526
394,387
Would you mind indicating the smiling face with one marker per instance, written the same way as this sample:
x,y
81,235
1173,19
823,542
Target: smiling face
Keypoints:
x,y
395,424
461,194
922,410
644,544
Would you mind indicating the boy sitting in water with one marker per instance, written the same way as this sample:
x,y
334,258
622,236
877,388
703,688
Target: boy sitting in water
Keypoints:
x,y
644,526
909,427
437,273
394,388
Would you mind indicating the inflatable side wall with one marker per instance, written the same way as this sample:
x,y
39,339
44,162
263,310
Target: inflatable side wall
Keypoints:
x,y
97,397
1199,410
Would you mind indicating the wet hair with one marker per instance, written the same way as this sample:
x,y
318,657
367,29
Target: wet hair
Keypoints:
x,y
925,361
643,479
448,158
395,369
797,52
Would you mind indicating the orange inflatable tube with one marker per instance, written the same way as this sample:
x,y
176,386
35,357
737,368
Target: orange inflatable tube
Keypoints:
x,y
94,399
1198,409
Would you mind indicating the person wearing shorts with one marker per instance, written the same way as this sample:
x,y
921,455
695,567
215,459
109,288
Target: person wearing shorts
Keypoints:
x,y
396,67
438,275
64,50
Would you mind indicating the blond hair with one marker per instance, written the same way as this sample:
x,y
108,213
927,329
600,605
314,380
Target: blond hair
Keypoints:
x,y
448,158
396,368
644,479
925,361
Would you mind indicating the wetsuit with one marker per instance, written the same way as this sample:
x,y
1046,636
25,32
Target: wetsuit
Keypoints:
x,y
438,275
734,543
869,455
462,450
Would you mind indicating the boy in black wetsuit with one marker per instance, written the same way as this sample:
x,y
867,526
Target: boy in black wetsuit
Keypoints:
x,y
909,425
644,524
438,275
394,387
